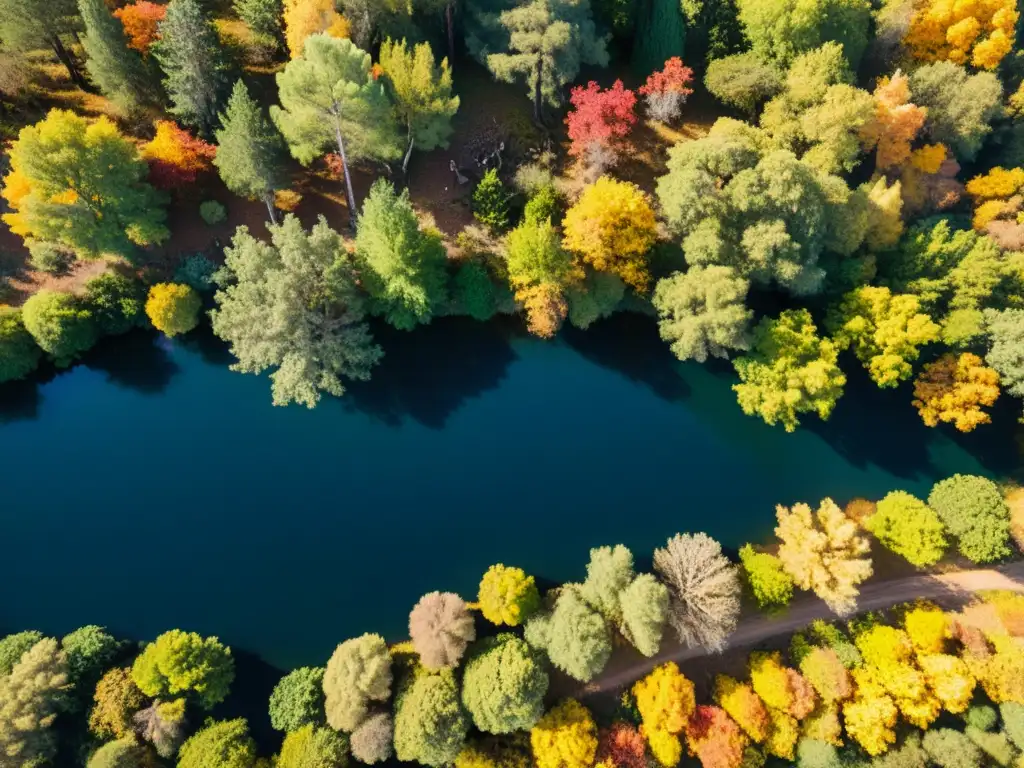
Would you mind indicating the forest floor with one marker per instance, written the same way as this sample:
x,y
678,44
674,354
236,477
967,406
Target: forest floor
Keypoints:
x,y
951,590
490,113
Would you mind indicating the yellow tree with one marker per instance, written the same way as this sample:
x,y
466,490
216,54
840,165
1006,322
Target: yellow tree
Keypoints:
x,y
896,122
888,653
885,222
566,737
744,706
950,679
613,227
928,628
173,308
979,32
666,702
954,389
783,735
303,18
779,686
992,192
824,552
870,716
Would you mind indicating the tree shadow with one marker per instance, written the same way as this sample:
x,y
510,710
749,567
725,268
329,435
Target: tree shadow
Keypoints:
x,y
211,349
628,342
20,400
429,373
250,694
136,360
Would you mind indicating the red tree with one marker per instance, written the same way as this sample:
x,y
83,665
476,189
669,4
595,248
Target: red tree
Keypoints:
x,y
715,738
623,745
665,92
140,22
175,156
600,119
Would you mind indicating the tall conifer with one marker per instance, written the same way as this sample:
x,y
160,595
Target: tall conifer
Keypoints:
x,y
117,69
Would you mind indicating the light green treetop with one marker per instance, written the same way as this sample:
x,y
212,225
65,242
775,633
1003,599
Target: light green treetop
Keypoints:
x,y
185,662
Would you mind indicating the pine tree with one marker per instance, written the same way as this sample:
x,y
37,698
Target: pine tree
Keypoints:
x,y
117,69
422,93
660,35
250,151
548,41
263,17
26,25
328,96
195,69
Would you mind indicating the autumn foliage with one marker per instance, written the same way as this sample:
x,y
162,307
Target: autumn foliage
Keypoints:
x,y
666,91
140,21
896,121
715,738
976,32
954,389
303,18
175,156
622,746
600,119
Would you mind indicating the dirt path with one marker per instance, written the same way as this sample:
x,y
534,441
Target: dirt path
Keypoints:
x,y
948,589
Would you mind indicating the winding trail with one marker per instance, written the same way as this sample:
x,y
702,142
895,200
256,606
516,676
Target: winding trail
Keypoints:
x,y
946,589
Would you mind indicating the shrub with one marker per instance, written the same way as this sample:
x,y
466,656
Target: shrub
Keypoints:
x,y
173,308
116,301
490,202
298,700
768,581
212,212
441,627
61,324
910,528
503,685
430,725
50,257
982,717
975,514
19,353
507,595
196,271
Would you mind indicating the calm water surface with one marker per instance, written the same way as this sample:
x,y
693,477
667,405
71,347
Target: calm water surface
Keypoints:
x,y
152,488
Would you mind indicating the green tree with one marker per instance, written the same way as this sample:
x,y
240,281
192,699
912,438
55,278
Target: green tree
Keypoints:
x,y
116,302
430,724
1013,721
13,647
703,312
645,605
910,528
575,636
960,107
196,73
358,672
30,698
474,292
886,331
405,273
790,370
490,202
547,42
89,652
329,98
507,595
293,304
311,747
117,69
951,749
82,184
743,80
1006,348
660,34
769,582
221,744
264,19
422,94
184,662
298,700
609,572
503,685
61,324
250,151
779,30
27,25
123,753
975,514
19,353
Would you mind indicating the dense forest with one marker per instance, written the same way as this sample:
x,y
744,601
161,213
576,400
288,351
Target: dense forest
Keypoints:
x,y
497,683
797,187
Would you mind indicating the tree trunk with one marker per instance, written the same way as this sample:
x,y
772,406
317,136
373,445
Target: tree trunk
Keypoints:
x,y
268,198
64,56
350,195
408,154
449,17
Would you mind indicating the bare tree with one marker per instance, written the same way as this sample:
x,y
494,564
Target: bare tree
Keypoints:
x,y
705,589
441,627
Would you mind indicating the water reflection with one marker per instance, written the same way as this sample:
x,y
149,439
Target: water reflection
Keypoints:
x,y
139,360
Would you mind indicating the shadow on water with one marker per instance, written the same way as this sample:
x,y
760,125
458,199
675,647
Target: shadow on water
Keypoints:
x,y
20,400
209,348
250,694
628,342
427,374
137,360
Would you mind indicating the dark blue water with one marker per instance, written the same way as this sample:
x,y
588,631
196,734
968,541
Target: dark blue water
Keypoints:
x,y
152,488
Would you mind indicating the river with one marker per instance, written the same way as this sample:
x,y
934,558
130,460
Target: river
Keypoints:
x,y
150,487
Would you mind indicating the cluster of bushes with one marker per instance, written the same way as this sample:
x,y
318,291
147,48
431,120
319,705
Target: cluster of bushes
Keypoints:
x,y
827,551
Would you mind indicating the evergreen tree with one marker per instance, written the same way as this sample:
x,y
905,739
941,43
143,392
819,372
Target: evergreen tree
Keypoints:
x,y
422,94
660,35
250,151
117,69
195,69
26,25
328,96
263,17
548,40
